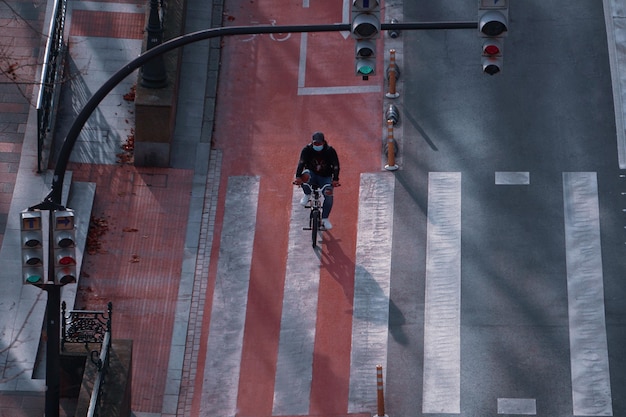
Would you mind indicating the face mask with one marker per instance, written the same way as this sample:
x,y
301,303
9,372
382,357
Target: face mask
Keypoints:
x,y
318,147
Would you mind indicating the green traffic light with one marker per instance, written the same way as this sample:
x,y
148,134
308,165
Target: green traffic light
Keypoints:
x,y
365,70
33,279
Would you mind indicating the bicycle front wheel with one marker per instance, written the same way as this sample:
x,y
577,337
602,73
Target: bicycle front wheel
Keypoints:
x,y
315,225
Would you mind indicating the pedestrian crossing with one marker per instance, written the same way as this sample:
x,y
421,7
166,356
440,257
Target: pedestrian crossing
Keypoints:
x,y
294,368
591,385
442,322
293,372
228,314
372,278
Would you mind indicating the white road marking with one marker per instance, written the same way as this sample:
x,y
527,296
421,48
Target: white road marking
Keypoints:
x,y
372,275
294,367
522,406
591,385
223,357
442,315
345,16
313,91
512,178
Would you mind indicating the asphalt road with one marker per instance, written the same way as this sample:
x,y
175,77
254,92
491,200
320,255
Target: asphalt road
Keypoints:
x,y
548,113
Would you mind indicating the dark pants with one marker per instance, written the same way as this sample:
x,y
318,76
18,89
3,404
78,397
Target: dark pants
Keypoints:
x,y
328,195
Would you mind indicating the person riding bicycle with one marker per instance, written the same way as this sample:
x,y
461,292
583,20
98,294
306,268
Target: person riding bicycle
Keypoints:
x,y
318,165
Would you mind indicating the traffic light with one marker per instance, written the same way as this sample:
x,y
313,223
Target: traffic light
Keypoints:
x,y
493,26
492,56
365,53
64,247
31,234
365,29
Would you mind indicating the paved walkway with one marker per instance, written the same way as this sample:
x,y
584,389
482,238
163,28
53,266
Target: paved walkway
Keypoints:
x,y
148,218
22,24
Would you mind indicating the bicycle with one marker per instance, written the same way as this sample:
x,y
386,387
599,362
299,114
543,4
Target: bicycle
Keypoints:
x,y
315,204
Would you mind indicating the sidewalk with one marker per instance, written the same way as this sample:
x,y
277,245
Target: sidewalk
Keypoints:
x,y
149,217
22,24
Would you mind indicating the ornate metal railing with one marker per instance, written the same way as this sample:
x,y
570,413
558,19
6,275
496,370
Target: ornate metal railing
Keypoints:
x,y
90,327
50,76
84,326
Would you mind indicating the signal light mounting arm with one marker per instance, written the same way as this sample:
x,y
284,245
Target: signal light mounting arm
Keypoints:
x,y
53,199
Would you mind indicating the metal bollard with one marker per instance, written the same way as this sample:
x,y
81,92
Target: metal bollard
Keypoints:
x,y
391,149
393,33
392,114
392,75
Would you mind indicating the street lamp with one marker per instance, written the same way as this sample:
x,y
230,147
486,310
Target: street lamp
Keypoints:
x,y
153,74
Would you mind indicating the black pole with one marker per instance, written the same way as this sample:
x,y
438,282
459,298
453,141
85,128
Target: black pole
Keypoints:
x,y
53,365
53,314
153,74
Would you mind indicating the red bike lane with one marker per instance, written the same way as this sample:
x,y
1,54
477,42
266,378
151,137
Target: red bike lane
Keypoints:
x,y
269,104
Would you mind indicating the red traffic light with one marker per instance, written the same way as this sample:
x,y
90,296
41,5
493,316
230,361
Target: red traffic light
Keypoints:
x,y
491,49
66,260
493,27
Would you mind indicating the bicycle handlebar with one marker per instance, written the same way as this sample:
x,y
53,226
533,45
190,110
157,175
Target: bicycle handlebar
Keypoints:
x,y
318,187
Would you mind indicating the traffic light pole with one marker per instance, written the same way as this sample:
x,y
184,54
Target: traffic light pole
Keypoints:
x,y
53,361
53,200
54,197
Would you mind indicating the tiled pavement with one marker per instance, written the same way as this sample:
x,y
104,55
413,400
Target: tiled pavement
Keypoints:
x,y
150,218
21,23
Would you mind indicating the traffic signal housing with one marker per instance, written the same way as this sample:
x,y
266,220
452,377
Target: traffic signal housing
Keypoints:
x,y
365,53
493,26
492,56
365,29
64,247
31,234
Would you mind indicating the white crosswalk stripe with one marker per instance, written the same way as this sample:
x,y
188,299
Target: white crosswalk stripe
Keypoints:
x,y
591,384
442,315
228,314
297,330
372,276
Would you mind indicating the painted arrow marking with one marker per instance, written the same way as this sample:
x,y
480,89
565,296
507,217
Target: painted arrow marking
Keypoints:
x,y
345,18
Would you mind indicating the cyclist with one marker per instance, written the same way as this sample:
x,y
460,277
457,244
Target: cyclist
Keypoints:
x,y
318,165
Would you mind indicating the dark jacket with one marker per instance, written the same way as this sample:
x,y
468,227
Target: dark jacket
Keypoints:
x,y
324,163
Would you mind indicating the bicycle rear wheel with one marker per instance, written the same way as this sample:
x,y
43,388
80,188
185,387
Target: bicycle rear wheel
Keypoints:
x,y
315,224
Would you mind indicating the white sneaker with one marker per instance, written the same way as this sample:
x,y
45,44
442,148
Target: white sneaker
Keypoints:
x,y
305,199
326,223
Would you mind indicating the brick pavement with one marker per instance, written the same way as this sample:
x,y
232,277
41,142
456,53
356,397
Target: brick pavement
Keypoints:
x,y
21,22
136,263
145,210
